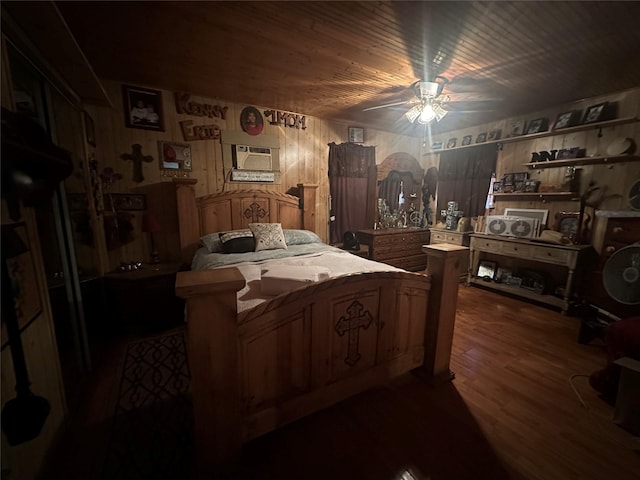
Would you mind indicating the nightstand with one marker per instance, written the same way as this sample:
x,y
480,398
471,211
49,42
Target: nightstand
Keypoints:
x,y
145,298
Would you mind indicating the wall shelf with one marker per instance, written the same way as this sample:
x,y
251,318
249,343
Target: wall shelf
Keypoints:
x,y
538,195
548,133
583,161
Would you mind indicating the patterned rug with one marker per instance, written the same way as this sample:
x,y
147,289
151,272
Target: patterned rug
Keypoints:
x,y
152,435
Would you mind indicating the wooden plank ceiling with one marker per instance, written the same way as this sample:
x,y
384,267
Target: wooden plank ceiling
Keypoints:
x,y
333,59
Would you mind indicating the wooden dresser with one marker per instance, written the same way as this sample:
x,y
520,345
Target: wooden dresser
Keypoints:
x,y
400,247
442,235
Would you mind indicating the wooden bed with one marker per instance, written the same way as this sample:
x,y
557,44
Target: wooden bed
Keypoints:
x,y
307,349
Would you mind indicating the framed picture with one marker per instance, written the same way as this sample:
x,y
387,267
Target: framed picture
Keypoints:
x,y
494,134
538,214
466,140
482,137
502,274
174,156
143,108
531,186
356,135
436,145
567,119
251,121
507,179
89,129
516,125
451,143
538,125
594,113
487,270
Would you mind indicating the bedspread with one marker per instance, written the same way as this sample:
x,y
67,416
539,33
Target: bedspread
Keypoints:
x,y
337,261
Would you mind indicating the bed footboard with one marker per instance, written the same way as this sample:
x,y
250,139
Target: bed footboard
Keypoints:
x,y
308,349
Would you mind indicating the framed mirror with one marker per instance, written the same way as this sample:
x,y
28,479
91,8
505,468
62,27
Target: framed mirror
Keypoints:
x,y
400,172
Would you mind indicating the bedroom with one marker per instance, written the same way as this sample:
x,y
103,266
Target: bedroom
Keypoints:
x,y
303,151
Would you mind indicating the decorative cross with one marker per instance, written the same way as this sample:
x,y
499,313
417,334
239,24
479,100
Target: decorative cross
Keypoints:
x,y
351,326
137,158
255,211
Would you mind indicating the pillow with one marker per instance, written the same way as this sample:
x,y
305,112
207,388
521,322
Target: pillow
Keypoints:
x,y
212,242
269,236
237,241
300,237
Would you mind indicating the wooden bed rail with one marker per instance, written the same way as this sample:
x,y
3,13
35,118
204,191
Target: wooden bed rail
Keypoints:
x,y
237,397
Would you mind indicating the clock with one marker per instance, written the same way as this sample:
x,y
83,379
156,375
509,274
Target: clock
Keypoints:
x,y
568,224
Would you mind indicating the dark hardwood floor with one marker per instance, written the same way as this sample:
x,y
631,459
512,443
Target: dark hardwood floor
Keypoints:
x,y
520,407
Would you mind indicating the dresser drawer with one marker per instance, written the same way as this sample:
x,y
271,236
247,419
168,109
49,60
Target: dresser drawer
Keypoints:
x,y
438,237
516,249
402,238
551,255
486,245
624,230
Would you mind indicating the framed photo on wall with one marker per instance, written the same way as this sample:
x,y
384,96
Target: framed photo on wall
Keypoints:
x,y
594,113
567,119
538,125
356,134
143,108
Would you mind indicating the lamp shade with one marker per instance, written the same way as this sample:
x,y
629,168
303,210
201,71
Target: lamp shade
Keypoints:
x,y
150,223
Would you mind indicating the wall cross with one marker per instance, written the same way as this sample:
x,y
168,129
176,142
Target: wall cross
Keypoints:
x,y
137,158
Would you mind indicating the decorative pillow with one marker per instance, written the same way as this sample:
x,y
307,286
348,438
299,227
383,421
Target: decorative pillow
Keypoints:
x,y
212,242
269,236
300,237
237,241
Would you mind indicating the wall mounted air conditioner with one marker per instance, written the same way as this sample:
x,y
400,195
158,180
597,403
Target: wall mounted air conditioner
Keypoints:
x,y
246,157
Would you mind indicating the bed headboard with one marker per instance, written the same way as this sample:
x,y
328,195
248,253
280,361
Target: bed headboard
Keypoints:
x,y
236,209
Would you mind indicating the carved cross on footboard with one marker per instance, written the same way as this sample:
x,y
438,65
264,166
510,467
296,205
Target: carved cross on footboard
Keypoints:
x,y
351,326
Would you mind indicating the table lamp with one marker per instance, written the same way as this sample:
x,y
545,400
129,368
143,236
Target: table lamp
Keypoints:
x,y
150,225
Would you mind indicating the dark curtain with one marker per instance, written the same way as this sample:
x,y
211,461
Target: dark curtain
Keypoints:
x,y
352,186
464,177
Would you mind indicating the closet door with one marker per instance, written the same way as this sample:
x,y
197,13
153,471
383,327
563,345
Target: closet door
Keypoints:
x,y
69,276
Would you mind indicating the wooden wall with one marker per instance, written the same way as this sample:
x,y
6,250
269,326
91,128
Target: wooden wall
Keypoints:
x,y
613,179
303,155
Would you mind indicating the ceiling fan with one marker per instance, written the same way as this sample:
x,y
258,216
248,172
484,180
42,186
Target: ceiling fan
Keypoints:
x,y
429,103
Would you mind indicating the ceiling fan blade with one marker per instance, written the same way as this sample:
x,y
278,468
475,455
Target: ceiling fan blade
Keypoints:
x,y
394,104
472,97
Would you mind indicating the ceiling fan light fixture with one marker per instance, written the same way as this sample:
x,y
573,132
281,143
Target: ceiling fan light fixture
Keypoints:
x,y
439,111
427,114
413,113
428,89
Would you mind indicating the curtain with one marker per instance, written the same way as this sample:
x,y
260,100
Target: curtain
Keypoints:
x,y
464,177
352,186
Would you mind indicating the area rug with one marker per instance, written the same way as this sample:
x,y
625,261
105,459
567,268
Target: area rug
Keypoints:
x,y
151,436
